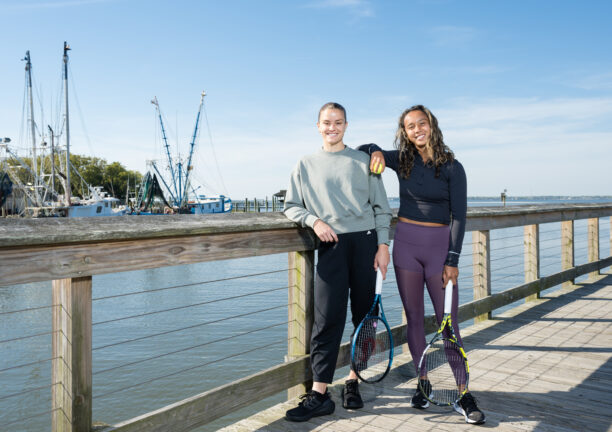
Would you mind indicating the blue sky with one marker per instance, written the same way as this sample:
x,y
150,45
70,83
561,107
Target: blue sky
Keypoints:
x,y
522,89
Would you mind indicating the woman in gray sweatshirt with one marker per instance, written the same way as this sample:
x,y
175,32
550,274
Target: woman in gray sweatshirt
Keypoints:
x,y
334,193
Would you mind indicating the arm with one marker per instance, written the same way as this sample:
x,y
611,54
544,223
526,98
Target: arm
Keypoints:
x,y
458,208
296,211
295,208
382,221
380,157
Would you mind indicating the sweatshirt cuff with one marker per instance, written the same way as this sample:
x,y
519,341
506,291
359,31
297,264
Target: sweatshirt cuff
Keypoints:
x,y
310,220
383,235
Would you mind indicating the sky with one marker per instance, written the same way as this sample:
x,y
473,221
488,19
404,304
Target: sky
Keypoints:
x,y
522,89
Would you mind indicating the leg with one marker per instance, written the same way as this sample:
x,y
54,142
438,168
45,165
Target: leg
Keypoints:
x,y
410,283
362,281
409,276
331,297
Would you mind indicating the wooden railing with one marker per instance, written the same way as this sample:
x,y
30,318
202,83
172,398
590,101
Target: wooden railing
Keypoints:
x,y
70,251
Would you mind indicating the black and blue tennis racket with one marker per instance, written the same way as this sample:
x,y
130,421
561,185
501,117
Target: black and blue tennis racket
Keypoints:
x,y
372,347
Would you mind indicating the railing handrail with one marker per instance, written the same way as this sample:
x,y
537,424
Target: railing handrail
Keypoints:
x,y
61,231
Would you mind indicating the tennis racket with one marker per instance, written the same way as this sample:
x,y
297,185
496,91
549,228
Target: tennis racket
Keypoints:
x,y
444,362
372,346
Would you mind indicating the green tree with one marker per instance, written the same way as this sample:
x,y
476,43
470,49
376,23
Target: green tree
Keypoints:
x,y
85,171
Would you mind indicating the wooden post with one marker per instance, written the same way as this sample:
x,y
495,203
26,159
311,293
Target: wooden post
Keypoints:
x,y
567,249
301,310
531,241
481,246
246,205
593,243
71,348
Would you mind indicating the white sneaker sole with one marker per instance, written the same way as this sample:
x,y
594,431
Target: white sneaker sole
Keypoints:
x,y
461,411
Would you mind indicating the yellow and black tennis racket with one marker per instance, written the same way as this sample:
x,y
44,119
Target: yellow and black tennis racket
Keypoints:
x,y
444,362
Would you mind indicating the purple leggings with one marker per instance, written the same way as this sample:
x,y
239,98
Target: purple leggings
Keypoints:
x,y
419,253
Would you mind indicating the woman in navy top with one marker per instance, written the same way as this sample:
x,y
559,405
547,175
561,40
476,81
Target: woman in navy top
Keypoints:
x,y
430,230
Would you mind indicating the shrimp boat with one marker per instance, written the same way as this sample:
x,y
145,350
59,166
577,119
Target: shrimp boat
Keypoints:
x,y
38,196
175,192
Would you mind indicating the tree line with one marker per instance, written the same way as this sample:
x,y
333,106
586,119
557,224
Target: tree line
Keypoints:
x,y
86,170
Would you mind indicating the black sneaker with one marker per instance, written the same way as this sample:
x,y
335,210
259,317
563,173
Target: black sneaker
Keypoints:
x,y
351,399
419,400
313,404
467,407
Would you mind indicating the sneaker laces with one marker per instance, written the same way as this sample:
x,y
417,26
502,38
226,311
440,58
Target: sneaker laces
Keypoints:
x,y
351,386
307,398
468,403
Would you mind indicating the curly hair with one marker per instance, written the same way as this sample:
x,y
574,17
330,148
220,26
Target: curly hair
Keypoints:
x,y
438,152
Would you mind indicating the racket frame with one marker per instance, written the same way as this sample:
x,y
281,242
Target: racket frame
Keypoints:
x,y
380,317
446,322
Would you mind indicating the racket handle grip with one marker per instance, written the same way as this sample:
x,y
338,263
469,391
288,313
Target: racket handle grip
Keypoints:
x,y
379,281
448,297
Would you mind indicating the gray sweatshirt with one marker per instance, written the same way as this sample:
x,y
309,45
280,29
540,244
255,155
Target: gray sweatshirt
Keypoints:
x,y
339,189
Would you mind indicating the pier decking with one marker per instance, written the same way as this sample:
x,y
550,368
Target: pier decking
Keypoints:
x,y
545,365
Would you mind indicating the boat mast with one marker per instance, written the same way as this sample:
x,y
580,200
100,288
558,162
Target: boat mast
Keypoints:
x,y
66,49
52,164
163,130
191,148
28,69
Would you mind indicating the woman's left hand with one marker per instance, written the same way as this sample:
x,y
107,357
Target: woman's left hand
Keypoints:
x,y
450,273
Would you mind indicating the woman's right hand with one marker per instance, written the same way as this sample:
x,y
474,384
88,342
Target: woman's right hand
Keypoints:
x,y
377,162
324,231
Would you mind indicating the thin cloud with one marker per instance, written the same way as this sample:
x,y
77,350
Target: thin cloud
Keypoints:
x,y
358,8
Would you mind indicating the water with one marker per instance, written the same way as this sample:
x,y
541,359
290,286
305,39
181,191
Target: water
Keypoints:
x,y
154,331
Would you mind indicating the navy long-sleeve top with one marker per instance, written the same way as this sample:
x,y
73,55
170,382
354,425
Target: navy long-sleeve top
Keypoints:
x,y
427,198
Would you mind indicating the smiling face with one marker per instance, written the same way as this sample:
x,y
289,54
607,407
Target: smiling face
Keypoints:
x,y
418,131
332,125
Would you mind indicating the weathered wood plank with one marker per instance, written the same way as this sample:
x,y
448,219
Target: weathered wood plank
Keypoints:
x,y
33,264
593,242
301,310
56,231
481,246
71,364
531,240
567,247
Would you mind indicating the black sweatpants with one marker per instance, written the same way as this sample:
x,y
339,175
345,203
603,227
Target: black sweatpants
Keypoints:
x,y
344,269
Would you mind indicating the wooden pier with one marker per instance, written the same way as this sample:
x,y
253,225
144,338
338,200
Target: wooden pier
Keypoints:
x,y
529,365
543,366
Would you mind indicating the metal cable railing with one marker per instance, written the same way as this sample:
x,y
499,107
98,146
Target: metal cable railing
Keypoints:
x,y
188,369
191,284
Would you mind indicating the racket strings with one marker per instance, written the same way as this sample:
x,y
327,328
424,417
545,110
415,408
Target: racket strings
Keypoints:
x,y
372,350
444,365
